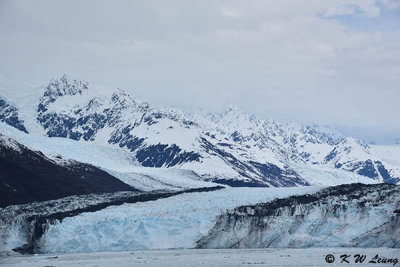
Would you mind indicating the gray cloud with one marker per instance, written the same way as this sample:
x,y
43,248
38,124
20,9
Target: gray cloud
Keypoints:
x,y
304,60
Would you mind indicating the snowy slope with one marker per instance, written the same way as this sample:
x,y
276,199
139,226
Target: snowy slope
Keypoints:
x,y
290,141
390,155
325,175
27,176
148,179
113,160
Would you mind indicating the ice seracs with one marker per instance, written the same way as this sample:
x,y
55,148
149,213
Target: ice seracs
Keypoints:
x,y
353,215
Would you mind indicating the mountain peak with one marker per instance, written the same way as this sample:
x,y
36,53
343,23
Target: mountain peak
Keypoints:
x,y
350,141
61,87
233,117
122,98
66,86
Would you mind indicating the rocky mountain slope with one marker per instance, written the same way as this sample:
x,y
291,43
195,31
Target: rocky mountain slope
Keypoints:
x,y
9,114
27,176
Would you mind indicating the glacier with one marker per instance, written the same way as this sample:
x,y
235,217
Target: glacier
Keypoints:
x,y
354,215
175,222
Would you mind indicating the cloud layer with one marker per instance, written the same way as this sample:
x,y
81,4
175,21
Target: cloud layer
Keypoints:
x,y
335,62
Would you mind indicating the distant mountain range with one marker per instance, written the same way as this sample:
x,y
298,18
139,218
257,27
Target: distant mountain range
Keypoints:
x,y
231,147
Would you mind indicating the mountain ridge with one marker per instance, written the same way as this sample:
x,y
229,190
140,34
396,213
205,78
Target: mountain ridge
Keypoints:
x,y
230,147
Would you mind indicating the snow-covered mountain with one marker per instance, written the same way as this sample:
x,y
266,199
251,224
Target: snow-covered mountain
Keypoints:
x,y
352,155
156,137
315,145
230,147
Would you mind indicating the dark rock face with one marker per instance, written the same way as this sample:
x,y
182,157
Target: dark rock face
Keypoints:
x,y
27,176
9,115
331,155
366,169
164,155
348,215
277,176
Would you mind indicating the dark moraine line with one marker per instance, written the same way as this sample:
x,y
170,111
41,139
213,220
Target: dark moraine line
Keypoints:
x,y
38,224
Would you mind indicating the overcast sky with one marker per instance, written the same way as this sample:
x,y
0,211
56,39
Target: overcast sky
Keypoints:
x,y
335,62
